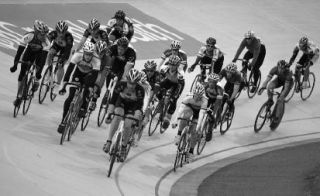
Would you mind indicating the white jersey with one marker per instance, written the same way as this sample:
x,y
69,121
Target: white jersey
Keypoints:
x,y
84,66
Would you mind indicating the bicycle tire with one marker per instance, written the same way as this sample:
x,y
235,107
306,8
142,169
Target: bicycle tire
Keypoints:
x,y
204,131
164,112
251,85
66,129
28,98
114,153
274,125
291,92
52,95
103,109
153,119
312,79
228,121
85,121
262,109
196,79
43,93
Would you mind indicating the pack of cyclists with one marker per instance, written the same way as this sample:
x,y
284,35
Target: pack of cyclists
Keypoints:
x,y
103,54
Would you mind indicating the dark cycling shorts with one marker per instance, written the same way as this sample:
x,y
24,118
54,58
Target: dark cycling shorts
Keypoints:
x,y
128,107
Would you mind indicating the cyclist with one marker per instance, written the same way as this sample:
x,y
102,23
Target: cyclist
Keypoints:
x,y
87,65
283,79
214,93
62,42
193,105
175,50
127,99
34,47
234,85
256,52
310,56
173,81
94,33
120,26
153,78
209,54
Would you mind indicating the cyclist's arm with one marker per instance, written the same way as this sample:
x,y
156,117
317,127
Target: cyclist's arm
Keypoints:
x,y
218,102
294,55
240,49
196,62
69,71
315,57
286,89
22,46
236,88
67,51
83,40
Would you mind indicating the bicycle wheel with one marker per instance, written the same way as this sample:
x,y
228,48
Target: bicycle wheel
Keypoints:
x,y
277,113
195,81
291,92
305,93
85,121
180,148
164,112
52,95
67,128
114,153
155,119
44,86
251,85
28,97
201,143
103,109
226,120
262,115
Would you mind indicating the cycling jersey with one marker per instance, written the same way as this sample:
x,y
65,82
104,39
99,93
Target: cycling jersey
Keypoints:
x,y
174,77
283,77
311,51
84,66
234,77
253,47
120,61
208,56
213,93
62,43
181,54
101,35
124,29
154,79
34,43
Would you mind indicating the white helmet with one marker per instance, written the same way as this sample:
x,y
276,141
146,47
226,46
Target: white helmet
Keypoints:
x,y
133,75
175,44
88,47
199,90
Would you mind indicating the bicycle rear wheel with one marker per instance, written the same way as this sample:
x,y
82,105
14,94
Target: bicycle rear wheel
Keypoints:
x,y
251,85
155,120
195,82
291,92
28,97
226,120
262,115
114,153
44,86
103,109
277,113
305,93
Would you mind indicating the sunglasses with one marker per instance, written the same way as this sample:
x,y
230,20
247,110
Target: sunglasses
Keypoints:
x,y
210,46
248,38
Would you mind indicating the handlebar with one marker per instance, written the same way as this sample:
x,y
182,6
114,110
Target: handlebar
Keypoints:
x,y
77,85
124,117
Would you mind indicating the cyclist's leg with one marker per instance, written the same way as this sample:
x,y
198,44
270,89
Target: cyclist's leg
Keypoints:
x,y
133,113
40,62
300,64
116,120
89,81
186,114
259,62
173,102
247,56
29,56
218,65
271,86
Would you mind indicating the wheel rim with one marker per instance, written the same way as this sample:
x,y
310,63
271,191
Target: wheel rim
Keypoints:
x,y
202,140
28,99
251,85
155,120
262,115
306,92
44,86
291,92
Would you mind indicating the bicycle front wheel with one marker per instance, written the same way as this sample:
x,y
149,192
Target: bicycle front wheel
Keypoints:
x,y
226,120
103,109
291,92
44,86
251,85
28,97
261,118
277,115
201,142
85,121
155,120
114,153
305,93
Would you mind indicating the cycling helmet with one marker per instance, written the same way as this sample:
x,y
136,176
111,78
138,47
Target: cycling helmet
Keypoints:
x,y
143,77
123,41
174,60
150,65
101,46
214,77
249,34
133,75
40,26
232,67
198,90
175,44
211,41
303,41
61,26
282,64
120,15
46,29
88,47
94,24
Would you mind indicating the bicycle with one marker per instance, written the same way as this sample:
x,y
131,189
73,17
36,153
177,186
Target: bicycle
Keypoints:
x,y
304,94
86,118
161,109
26,88
183,145
116,146
105,101
71,120
266,113
249,82
48,81
200,77
227,115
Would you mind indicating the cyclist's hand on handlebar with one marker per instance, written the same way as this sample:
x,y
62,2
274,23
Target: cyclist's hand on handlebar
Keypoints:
x,y
261,90
14,67
174,125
